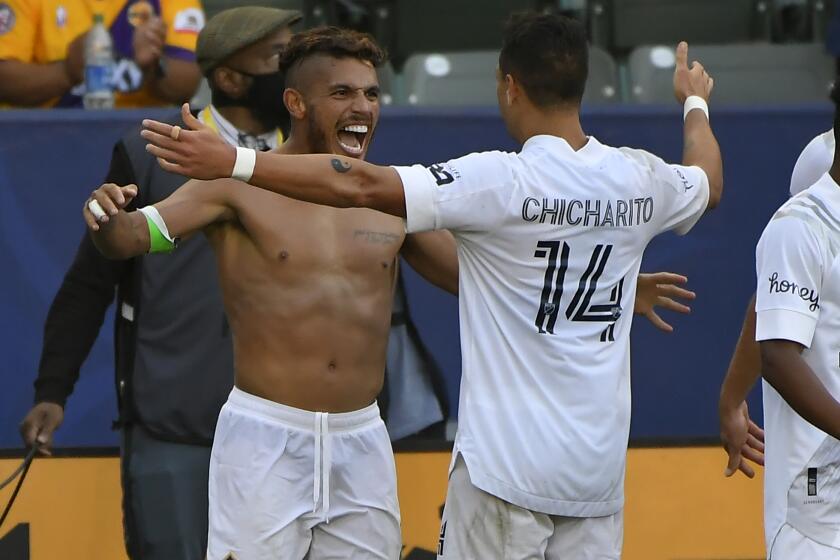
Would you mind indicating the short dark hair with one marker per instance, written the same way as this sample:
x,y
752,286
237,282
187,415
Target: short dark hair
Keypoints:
x,y
548,54
330,41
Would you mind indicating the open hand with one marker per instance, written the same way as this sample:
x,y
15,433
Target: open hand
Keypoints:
x,y
196,151
741,438
657,290
690,81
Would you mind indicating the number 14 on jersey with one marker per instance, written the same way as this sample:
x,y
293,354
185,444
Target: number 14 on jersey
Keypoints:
x,y
580,307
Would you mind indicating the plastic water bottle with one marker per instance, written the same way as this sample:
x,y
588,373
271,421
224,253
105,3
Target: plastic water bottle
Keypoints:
x,y
99,65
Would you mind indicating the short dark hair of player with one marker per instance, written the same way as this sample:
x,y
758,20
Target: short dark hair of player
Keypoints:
x,y
331,41
548,55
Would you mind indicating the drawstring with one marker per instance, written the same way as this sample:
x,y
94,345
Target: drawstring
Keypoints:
x,y
322,468
327,466
317,469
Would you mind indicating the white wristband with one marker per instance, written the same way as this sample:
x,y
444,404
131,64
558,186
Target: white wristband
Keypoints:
x,y
695,102
243,167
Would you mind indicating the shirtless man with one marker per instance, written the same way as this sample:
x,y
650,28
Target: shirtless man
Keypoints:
x,y
308,292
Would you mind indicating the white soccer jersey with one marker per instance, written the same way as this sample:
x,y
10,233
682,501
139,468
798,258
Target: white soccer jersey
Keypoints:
x,y
798,299
814,161
549,244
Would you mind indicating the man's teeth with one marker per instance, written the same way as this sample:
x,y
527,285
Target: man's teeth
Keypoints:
x,y
360,128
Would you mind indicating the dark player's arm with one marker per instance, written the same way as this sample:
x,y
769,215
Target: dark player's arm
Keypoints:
x,y
74,320
332,181
783,367
78,309
30,84
700,148
745,366
434,255
194,206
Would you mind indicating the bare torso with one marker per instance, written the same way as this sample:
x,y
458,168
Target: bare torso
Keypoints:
x,y
308,291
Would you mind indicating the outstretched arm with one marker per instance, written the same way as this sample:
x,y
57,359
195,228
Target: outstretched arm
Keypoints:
x,y
325,179
121,235
347,183
741,438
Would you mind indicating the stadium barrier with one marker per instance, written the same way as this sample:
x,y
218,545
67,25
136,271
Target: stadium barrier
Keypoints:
x,y
678,502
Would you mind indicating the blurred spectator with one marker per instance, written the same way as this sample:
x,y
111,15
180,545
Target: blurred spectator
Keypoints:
x,y
174,356
42,50
793,23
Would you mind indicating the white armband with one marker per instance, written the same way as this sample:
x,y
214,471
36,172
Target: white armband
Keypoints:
x,y
695,102
243,167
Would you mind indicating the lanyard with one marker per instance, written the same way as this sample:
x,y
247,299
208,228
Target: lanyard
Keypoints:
x,y
206,116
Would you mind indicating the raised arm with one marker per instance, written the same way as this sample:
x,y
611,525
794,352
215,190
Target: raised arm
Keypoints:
x,y
700,147
120,235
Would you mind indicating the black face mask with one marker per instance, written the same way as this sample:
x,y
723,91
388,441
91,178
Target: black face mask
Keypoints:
x,y
264,98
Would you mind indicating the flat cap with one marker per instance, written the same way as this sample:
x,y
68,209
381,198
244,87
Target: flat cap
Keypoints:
x,y
237,28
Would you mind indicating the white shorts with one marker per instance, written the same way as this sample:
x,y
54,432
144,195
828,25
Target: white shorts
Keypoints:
x,y
790,544
289,483
479,526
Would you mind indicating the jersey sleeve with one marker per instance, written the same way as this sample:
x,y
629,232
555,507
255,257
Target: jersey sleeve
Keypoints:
x,y
18,29
789,272
681,193
184,19
814,162
469,194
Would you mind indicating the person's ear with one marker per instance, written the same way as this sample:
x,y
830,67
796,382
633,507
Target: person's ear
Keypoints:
x,y
512,90
294,102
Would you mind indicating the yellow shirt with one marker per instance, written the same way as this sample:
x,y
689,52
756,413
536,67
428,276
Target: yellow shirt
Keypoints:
x,y
39,31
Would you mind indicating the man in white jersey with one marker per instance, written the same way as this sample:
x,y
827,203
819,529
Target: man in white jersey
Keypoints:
x,y
813,162
798,327
742,439
549,243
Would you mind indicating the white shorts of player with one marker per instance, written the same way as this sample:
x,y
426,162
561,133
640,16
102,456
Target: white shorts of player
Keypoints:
x,y
289,483
478,526
790,544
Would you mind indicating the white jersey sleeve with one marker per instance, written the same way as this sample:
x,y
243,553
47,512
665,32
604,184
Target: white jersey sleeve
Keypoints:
x,y
813,162
681,192
789,272
470,193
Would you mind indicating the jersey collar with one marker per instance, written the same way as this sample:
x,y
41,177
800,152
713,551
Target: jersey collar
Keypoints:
x,y
591,151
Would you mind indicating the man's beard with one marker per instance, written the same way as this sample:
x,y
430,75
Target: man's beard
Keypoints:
x,y
318,143
264,99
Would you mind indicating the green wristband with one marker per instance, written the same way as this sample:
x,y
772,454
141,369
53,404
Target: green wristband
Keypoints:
x,y
158,243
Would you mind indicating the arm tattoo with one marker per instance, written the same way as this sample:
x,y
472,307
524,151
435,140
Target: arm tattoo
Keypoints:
x,y
339,165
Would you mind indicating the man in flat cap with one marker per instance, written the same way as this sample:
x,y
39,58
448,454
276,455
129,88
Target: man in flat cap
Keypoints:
x,y
174,358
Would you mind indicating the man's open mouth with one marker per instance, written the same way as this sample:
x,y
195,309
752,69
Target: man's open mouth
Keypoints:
x,y
352,138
